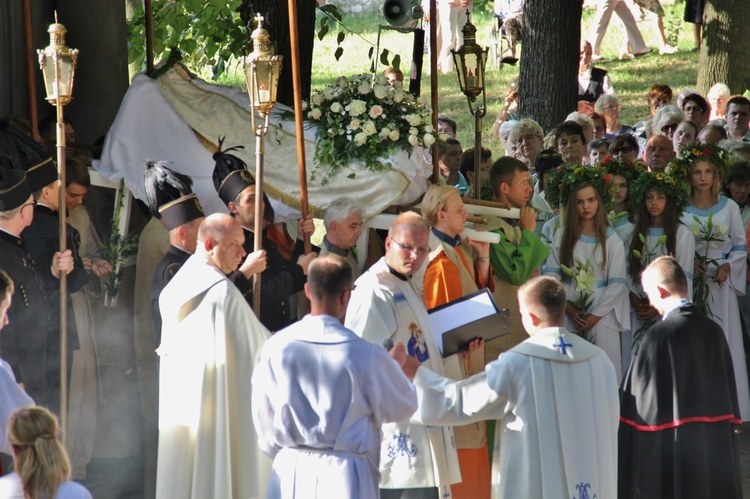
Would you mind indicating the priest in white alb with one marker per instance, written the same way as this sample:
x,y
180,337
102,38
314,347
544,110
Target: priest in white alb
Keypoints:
x,y
318,405
555,400
210,342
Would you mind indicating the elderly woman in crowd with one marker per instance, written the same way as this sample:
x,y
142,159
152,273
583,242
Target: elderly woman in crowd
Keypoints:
x,y
718,96
609,107
666,120
527,136
600,126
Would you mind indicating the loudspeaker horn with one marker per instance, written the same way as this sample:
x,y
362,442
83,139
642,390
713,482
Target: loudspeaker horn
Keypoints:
x,y
400,12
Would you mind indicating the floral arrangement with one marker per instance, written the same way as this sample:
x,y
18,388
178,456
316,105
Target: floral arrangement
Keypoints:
x,y
562,180
630,170
585,281
708,232
648,254
665,183
680,166
359,121
115,251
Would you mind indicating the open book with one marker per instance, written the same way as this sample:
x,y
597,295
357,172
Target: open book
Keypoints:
x,y
473,316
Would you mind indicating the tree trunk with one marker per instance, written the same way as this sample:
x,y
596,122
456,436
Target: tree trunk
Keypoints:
x,y
548,89
724,47
276,14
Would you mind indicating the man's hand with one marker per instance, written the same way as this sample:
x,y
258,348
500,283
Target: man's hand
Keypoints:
x,y
408,364
305,227
304,260
585,107
474,344
483,248
100,268
255,263
527,221
62,262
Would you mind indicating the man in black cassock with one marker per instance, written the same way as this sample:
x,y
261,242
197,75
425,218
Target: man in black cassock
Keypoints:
x,y
678,409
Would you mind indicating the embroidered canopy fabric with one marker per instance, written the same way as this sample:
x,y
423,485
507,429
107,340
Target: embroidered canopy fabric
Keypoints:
x,y
179,118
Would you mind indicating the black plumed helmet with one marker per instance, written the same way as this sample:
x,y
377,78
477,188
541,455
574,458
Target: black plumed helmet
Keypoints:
x,y
230,173
164,185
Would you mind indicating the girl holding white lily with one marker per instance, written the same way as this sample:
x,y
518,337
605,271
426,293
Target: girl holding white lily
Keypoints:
x,y
589,257
659,201
720,250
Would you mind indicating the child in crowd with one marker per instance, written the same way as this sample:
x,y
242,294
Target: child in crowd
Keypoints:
x,y
467,170
659,201
720,250
589,257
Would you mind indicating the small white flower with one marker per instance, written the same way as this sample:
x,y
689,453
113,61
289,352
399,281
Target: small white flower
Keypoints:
x,y
364,89
409,98
394,135
428,139
443,137
695,229
357,107
342,82
369,128
337,108
318,98
376,111
414,119
422,100
721,229
328,94
398,96
354,124
398,85
428,128
305,105
413,131
385,132
315,114
360,138
380,92
382,80
413,140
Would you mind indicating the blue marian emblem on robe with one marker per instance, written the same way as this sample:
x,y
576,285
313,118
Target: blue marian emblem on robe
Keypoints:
x,y
402,447
583,492
416,346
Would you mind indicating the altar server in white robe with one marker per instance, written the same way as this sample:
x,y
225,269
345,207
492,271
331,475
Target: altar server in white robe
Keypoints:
x,y
12,395
555,399
210,343
416,461
317,408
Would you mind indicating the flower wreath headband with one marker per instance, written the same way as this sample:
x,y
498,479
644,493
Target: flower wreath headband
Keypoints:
x,y
562,180
673,188
691,153
623,167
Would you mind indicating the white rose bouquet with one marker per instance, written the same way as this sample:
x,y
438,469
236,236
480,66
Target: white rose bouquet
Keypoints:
x,y
357,120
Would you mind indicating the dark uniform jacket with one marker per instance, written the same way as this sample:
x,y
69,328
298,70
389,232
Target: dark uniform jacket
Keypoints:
x,y
281,279
165,270
595,88
42,241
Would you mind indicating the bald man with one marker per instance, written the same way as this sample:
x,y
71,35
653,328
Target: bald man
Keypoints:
x,y
210,342
658,152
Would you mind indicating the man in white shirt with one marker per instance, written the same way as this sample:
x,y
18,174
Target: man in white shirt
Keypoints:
x,y
555,400
317,405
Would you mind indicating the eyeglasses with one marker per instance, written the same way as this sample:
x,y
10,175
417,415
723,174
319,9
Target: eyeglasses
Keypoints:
x,y
611,108
421,250
622,150
670,128
600,128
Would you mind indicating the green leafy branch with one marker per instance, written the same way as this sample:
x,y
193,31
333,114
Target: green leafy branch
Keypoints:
x,y
707,232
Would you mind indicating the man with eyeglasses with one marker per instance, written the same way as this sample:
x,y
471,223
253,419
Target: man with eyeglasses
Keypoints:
x,y
658,152
416,461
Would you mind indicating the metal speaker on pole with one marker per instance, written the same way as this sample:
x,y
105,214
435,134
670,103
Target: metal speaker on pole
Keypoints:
x,y
400,12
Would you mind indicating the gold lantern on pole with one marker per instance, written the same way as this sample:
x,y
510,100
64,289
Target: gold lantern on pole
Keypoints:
x,y
58,64
470,60
262,71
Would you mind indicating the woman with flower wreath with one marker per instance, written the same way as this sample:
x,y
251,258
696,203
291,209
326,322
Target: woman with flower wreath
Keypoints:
x,y
589,257
720,250
624,172
659,201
